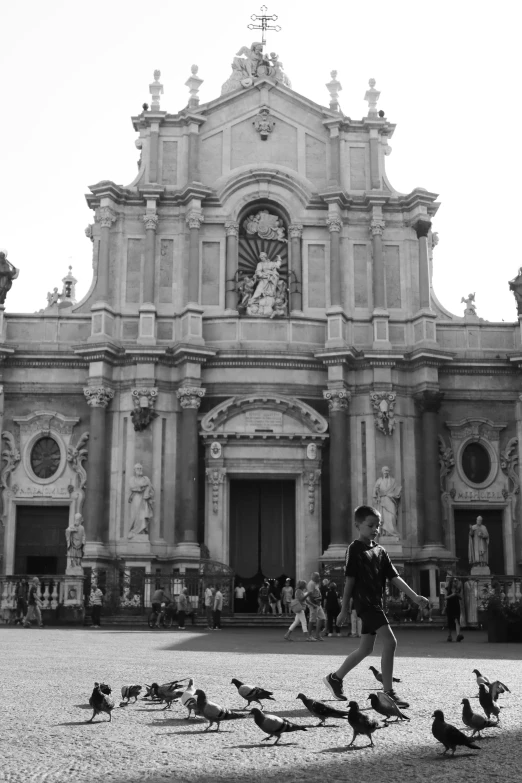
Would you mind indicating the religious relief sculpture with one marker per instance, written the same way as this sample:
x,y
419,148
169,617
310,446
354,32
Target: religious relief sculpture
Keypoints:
x,y
8,273
263,123
75,537
386,497
11,458
312,479
515,285
215,477
383,404
471,307
250,64
143,414
265,293
141,500
446,462
76,456
509,464
478,548
265,225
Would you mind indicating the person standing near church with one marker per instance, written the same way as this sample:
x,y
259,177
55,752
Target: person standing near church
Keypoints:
x,y
183,607
34,604
209,606
239,594
287,596
218,608
96,603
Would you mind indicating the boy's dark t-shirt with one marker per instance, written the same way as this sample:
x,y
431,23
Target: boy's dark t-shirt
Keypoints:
x,y
370,566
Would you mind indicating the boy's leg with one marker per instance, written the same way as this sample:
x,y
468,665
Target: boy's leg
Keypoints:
x,y
389,644
365,648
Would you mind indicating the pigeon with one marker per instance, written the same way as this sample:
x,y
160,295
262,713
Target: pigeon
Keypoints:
x,y
360,723
168,692
273,725
481,680
497,688
214,713
189,699
101,700
129,691
449,735
473,720
250,693
487,703
378,675
320,710
384,705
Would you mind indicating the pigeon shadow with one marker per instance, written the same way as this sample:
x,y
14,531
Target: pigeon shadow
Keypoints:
x,y
200,732
297,713
177,722
81,722
345,749
83,706
442,757
263,746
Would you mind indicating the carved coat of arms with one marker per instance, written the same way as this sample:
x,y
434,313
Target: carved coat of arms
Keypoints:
x,y
265,225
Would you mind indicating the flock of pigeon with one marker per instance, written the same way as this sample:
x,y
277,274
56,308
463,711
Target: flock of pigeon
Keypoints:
x,y
196,702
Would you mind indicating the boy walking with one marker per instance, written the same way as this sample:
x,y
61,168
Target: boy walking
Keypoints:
x,y
368,565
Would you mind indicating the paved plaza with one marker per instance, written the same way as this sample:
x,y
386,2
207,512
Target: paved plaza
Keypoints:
x,y
47,678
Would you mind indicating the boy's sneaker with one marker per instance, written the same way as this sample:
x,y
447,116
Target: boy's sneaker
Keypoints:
x,y
399,702
335,686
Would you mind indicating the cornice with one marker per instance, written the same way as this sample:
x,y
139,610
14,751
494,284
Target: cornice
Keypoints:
x,y
285,439
276,360
100,352
233,388
179,354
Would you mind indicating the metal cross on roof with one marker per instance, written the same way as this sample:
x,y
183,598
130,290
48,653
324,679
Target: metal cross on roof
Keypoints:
x,y
264,26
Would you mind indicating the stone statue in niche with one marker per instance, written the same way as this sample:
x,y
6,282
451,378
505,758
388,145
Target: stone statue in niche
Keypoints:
x,y
515,285
8,273
251,63
75,536
471,307
269,297
141,500
386,497
478,546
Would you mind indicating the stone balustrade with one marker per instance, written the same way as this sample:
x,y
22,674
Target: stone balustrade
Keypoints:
x,y
55,591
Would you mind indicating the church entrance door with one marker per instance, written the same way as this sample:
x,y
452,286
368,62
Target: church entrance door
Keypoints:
x,y
40,545
492,519
262,530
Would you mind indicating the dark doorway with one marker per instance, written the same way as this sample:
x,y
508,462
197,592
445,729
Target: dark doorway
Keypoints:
x,y
262,530
492,520
40,546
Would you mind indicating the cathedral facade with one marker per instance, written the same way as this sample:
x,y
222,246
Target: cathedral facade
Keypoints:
x,y
260,351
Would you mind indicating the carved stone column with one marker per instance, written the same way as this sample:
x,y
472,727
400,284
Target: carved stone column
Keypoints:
x,y
98,397
194,220
151,223
231,231
187,534
340,479
422,227
379,296
296,298
429,403
106,218
335,225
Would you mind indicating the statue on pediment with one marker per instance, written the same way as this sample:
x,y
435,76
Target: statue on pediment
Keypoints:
x,y
8,273
515,285
251,63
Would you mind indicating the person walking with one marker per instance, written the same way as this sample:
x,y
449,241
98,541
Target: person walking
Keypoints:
x,y
274,596
218,608
287,594
239,594
96,603
183,607
34,604
317,615
368,565
263,597
159,601
209,607
332,606
453,611
298,606
21,600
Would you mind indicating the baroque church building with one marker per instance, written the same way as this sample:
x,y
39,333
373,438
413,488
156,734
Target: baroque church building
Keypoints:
x,y
260,351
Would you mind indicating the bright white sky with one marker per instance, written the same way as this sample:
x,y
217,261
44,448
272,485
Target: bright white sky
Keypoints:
x,y
72,73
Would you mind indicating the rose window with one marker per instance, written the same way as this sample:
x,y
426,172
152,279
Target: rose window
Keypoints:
x,y
45,457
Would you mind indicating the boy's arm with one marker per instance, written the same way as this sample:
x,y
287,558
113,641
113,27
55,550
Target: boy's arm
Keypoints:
x,y
405,588
348,589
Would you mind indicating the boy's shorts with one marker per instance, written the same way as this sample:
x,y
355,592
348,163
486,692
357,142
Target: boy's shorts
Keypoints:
x,y
317,613
372,620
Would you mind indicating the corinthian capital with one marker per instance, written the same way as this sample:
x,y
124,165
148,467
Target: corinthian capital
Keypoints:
x,y
338,399
377,227
190,396
98,396
194,219
106,217
151,220
231,228
334,223
295,230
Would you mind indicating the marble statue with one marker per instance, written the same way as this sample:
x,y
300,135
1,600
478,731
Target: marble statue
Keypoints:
x,y
386,497
53,297
471,308
478,546
141,501
8,273
264,294
251,63
75,536
515,285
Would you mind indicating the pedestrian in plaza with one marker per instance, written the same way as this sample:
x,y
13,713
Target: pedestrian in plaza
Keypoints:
x,y
209,606
274,597
239,594
453,610
356,622
298,606
332,606
159,601
317,616
96,603
183,608
325,584
287,594
34,604
263,598
21,590
367,567
218,608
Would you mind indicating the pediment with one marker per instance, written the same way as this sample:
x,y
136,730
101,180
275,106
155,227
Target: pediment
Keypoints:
x,y
254,415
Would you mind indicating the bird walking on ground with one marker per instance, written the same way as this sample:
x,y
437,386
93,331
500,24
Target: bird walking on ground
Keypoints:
x,y
273,725
378,675
250,693
189,699
101,700
475,721
213,712
168,692
320,710
361,724
384,705
449,735
481,679
130,691
496,688
487,703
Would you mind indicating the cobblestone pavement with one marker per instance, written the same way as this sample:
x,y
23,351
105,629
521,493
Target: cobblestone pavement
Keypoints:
x,y
47,676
